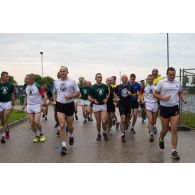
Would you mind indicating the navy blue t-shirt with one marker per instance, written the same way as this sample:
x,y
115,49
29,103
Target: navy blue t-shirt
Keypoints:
x,y
122,91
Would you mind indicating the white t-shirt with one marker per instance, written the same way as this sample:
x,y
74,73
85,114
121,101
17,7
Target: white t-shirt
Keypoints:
x,y
34,94
65,88
148,94
169,88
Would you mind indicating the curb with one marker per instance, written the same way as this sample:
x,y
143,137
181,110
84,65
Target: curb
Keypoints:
x,y
17,122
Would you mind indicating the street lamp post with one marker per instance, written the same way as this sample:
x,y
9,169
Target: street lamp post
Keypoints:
x,y
41,63
167,50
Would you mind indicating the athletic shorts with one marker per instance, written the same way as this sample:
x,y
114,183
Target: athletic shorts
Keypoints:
x,y
68,109
32,109
134,105
85,102
142,106
5,106
125,110
167,112
152,106
99,108
110,108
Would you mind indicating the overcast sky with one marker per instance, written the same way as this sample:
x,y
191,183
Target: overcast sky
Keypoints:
x,y
87,54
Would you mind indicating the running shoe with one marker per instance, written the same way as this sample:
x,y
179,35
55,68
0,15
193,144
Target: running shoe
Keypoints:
x,y
161,144
36,139
175,155
45,118
76,117
155,130
132,130
123,138
63,151
71,141
7,136
105,136
98,137
3,140
42,138
91,119
85,121
43,115
151,137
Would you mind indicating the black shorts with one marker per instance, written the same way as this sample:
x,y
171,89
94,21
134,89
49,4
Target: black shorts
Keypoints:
x,y
125,110
68,109
142,106
110,108
167,112
134,105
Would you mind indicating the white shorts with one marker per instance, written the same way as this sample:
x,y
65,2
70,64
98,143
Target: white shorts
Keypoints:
x,y
151,106
5,106
99,108
85,102
32,109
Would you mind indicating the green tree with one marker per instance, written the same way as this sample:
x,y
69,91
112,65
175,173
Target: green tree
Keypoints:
x,y
38,79
11,80
47,80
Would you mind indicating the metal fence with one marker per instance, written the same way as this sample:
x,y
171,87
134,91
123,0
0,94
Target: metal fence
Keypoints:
x,y
187,117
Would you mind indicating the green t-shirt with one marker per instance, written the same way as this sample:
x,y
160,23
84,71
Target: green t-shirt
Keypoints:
x,y
84,92
6,90
99,92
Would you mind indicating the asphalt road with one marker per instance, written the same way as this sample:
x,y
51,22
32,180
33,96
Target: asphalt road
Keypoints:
x,y
137,149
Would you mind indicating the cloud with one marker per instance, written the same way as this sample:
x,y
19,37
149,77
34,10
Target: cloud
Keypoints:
x,y
91,53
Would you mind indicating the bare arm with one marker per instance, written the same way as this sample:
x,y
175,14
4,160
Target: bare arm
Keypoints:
x,y
91,99
25,102
157,95
182,98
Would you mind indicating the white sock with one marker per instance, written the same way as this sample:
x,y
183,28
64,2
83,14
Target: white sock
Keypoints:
x,y
38,133
173,150
63,144
122,134
71,135
3,134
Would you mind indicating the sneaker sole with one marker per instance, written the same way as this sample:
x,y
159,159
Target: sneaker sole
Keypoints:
x,y
176,158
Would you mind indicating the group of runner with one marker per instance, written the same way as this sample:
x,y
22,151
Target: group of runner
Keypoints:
x,y
101,100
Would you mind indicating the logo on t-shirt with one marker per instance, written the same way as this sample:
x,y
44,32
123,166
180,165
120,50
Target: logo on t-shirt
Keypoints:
x,y
85,91
4,90
100,92
124,92
63,87
30,92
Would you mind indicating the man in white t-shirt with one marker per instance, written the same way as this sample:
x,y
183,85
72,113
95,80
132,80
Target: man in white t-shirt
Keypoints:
x,y
33,100
169,91
151,105
65,91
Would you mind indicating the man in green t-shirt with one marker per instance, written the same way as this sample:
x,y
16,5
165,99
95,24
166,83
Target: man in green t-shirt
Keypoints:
x,y
7,102
98,95
85,103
